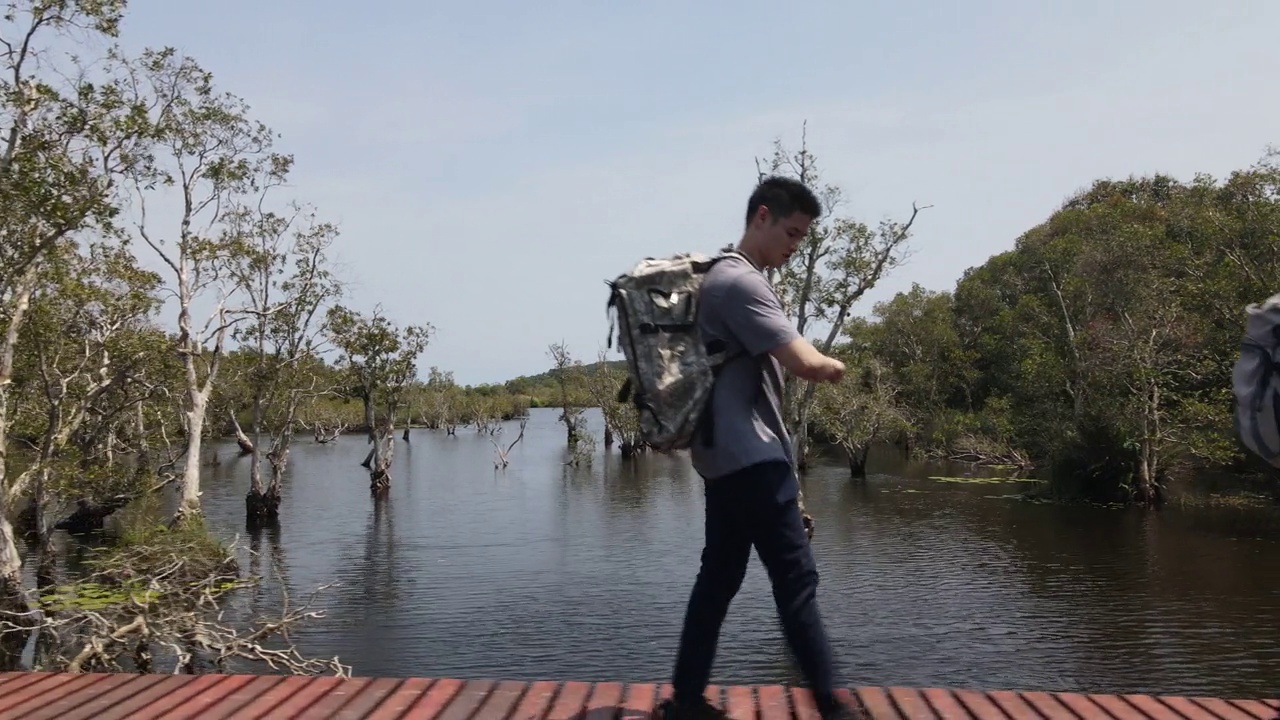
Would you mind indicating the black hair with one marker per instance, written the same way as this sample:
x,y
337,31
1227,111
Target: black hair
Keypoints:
x,y
784,197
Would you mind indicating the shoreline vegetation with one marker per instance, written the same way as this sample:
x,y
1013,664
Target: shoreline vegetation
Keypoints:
x,y
160,288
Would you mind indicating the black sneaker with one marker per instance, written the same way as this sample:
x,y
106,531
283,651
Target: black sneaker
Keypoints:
x,y
700,710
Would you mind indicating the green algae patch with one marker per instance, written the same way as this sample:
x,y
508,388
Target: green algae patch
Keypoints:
x,y
93,596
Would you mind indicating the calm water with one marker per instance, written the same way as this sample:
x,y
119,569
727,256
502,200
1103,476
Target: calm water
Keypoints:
x,y
542,571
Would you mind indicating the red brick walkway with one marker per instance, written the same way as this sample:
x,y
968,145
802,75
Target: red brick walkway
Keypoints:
x,y
103,696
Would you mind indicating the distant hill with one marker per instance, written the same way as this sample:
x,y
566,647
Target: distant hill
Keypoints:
x,y
520,385
544,388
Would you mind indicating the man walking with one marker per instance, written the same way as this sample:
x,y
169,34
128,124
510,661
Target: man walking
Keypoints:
x,y
752,489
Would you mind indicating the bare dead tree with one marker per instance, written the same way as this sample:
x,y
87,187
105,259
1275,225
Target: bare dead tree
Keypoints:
x,y
325,434
502,460
486,419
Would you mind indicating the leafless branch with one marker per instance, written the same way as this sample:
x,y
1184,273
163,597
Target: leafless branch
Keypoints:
x,y
167,595
502,460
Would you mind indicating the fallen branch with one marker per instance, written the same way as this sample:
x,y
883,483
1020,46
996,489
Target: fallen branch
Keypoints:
x,y
165,593
95,647
969,449
246,445
324,433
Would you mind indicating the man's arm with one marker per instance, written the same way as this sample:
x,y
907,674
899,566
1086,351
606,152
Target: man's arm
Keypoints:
x,y
803,360
751,311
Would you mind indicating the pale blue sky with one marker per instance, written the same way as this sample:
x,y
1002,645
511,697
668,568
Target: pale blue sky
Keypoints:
x,y
490,166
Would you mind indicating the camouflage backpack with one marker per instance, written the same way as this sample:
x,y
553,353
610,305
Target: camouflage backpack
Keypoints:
x,y
670,370
1255,382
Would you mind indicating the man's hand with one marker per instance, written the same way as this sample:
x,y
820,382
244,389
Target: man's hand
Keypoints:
x,y
833,371
803,360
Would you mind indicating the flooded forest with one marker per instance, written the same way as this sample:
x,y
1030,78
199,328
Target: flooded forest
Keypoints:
x,y
216,456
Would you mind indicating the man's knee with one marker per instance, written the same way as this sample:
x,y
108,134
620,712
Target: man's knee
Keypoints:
x,y
721,574
795,574
792,568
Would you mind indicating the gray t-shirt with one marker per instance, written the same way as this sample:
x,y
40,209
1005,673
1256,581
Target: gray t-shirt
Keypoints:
x,y
738,306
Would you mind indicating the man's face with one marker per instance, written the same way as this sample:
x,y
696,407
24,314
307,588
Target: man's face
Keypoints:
x,y
781,237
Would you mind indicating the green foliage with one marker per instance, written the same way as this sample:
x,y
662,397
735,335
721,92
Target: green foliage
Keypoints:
x,y
602,380
865,408
1100,347
144,526
377,358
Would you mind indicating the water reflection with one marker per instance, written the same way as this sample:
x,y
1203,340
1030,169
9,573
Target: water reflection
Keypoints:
x,y
542,570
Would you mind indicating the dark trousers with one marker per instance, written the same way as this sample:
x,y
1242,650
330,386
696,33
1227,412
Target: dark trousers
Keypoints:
x,y
757,506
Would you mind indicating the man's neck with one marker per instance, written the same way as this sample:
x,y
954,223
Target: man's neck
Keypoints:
x,y
750,256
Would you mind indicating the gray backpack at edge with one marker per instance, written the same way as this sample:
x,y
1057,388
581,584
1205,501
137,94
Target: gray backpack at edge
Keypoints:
x,y
1255,382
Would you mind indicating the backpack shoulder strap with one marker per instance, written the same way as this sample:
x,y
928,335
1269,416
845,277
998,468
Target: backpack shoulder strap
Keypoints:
x,y
708,424
707,421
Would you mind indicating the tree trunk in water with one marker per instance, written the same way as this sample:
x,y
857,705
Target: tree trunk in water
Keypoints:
x,y
1148,490
259,506
189,507
13,603
373,434
255,501
255,472
858,463
380,472
45,564
46,580
263,507
370,429
608,438
279,462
